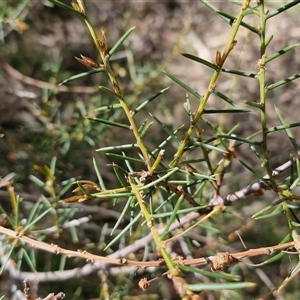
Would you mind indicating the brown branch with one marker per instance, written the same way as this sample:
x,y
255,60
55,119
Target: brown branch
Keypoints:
x,y
253,188
51,296
218,262
58,296
55,249
46,85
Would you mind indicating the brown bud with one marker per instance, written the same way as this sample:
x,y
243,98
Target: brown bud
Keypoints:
x,y
233,44
75,6
246,5
81,6
218,58
88,62
78,198
103,43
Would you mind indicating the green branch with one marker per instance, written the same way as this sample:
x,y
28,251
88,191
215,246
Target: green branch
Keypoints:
x,y
220,60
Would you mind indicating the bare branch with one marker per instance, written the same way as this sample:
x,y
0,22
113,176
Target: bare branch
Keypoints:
x,y
218,262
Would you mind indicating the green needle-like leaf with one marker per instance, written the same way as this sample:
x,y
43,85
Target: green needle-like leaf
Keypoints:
x,y
283,127
109,91
220,286
98,173
145,128
247,166
210,147
6,258
168,139
276,257
37,218
123,213
30,262
160,179
268,41
200,60
123,158
282,8
286,129
37,181
109,107
9,219
240,73
120,42
261,214
111,123
283,81
112,195
226,111
172,217
280,52
148,101
227,17
186,87
114,148
34,211
165,128
246,141
121,234
254,104
228,277
67,7
81,75
121,175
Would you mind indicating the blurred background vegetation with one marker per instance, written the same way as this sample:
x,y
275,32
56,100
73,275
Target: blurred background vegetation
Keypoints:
x,y
40,121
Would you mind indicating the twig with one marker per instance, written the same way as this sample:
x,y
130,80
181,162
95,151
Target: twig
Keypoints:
x,y
46,85
251,188
51,296
218,262
5,181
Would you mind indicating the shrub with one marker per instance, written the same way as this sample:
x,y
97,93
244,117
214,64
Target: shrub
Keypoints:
x,y
170,216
